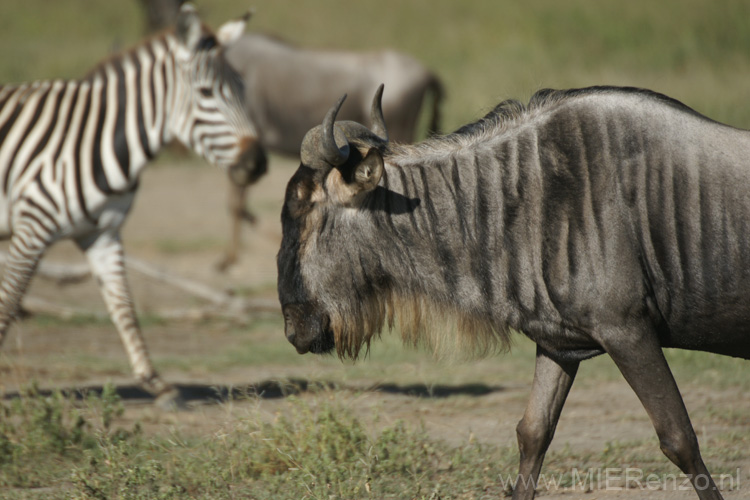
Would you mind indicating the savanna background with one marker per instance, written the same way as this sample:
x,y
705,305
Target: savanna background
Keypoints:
x,y
266,423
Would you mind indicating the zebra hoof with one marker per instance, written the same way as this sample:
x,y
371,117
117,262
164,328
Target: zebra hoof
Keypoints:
x,y
170,400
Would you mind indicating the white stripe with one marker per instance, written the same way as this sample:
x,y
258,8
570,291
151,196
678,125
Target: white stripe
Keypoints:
x,y
66,163
16,134
137,154
147,110
11,104
91,194
30,142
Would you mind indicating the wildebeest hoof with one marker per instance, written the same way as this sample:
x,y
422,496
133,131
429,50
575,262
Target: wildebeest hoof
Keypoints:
x,y
225,263
250,217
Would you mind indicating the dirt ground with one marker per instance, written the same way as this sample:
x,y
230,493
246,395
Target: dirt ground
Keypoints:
x,y
180,224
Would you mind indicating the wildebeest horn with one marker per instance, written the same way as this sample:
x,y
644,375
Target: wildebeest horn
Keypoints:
x,y
328,148
376,115
319,147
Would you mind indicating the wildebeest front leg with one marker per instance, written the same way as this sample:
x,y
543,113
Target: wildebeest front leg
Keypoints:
x,y
549,390
639,357
239,213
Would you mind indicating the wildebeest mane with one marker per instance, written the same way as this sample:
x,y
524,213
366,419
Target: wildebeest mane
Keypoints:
x,y
510,111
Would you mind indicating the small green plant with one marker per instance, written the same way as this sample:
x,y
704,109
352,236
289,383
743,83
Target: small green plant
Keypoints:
x,y
41,432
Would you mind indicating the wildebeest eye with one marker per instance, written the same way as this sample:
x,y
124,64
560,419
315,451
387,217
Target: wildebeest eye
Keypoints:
x,y
206,91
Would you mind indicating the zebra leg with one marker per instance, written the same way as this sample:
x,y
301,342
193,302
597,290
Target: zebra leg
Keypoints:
x,y
26,249
105,255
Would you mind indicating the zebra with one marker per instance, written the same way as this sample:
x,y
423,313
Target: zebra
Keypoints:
x,y
71,153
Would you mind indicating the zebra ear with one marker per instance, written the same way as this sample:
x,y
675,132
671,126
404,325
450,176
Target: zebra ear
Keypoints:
x,y
230,31
188,29
369,171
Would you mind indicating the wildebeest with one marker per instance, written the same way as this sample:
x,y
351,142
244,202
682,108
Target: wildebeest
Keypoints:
x,y
288,89
598,220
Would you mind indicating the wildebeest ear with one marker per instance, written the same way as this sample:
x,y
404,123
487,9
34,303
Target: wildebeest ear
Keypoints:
x,y
367,174
188,29
230,31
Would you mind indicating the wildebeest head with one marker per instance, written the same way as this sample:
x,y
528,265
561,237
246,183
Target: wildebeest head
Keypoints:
x,y
341,165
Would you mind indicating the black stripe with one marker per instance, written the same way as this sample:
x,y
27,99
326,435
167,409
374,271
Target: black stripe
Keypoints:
x,y
122,151
51,127
97,166
65,200
77,156
66,127
11,119
411,211
483,230
36,227
29,129
44,212
3,134
446,257
140,120
459,197
45,192
151,85
166,89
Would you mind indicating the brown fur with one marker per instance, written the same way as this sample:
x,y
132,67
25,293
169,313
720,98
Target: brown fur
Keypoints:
x,y
422,323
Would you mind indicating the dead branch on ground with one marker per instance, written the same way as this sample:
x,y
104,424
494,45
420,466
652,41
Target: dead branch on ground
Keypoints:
x,y
224,304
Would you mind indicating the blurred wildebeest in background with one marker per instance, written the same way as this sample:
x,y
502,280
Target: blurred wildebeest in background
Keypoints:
x,y
599,220
288,89
160,14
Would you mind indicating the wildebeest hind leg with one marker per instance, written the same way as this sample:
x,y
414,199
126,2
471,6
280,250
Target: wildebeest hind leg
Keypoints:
x,y
639,357
549,390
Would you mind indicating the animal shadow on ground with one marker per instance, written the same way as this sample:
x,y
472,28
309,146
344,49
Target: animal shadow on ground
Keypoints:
x,y
200,394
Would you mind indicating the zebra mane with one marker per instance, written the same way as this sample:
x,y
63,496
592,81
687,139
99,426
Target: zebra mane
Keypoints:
x,y
116,56
207,42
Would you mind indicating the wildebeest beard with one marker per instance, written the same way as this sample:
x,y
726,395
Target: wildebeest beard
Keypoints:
x,y
420,322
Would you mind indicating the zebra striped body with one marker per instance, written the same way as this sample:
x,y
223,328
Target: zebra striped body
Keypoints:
x,y
71,153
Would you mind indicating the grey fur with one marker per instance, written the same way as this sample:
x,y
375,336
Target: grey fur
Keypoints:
x,y
600,220
288,89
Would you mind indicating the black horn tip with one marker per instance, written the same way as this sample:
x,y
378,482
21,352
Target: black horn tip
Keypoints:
x,y
328,148
336,107
376,114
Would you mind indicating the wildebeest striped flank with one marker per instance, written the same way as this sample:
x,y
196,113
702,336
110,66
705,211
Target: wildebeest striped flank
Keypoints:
x,y
71,153
599,220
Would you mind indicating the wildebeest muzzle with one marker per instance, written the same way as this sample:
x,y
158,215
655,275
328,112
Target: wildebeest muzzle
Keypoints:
x,y
308,330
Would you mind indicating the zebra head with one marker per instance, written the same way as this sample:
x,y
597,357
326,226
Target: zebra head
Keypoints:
x,y
207,111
